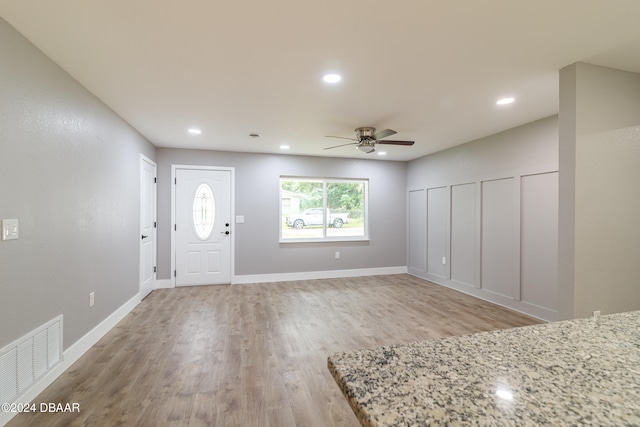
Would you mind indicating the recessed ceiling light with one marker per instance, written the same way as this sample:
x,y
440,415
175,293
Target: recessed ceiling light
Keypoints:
x,y
505,101
332,78
382,153
195,131
284,147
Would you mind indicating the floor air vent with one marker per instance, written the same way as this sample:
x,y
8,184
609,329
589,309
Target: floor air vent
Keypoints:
x,y
27,359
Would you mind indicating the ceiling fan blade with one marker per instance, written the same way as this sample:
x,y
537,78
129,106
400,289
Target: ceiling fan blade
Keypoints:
x,y
341,145
384,134
341,137
391,142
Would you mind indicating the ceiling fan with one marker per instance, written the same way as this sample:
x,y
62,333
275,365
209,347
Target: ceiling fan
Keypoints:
x,y
367,138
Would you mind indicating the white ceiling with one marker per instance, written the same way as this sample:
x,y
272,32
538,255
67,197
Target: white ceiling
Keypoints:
x,y
431,70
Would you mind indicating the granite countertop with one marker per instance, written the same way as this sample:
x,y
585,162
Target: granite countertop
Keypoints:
x,y
577,372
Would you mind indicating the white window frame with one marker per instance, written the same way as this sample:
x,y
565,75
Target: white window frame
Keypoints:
x,y
325,238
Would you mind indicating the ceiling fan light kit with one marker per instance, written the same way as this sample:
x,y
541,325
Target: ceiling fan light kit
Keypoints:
x,y
365,148
367,138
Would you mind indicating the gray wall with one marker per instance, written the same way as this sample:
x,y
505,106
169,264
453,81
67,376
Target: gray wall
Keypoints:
x,y
69,173
600,211
257,250
483,218
533,144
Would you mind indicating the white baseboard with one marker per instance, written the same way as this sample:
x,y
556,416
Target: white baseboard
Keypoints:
x,y
72,354
310,275
164,284
520,306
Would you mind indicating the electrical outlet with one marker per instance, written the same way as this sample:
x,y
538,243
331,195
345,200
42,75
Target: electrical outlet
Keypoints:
x,y
444,260
92,299
596,313
337,255
9,229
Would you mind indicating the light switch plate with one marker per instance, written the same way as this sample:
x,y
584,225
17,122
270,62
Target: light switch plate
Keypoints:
x,y
239,219
9,229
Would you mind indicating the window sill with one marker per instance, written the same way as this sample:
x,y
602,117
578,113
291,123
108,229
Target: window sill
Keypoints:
x,y
326,240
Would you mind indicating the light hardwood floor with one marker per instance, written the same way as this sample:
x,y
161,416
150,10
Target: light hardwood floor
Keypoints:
x,y
253,355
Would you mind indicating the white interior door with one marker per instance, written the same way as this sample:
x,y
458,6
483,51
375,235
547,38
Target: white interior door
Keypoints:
x,y
147,226
203,227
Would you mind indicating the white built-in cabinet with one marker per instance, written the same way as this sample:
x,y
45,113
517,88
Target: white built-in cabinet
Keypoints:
x,y
495,238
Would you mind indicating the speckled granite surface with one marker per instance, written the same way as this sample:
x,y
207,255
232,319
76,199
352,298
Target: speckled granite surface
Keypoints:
x,y
572,373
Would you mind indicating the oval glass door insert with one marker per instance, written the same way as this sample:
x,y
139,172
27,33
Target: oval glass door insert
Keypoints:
x,y
204,211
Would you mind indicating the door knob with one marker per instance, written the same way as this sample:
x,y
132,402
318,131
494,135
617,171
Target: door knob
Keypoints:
x,y
144,237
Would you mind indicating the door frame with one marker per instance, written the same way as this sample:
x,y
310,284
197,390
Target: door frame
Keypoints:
x,y
145,159
232,170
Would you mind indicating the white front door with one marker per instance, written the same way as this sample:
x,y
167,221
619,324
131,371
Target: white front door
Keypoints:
x,y
147,226
203,227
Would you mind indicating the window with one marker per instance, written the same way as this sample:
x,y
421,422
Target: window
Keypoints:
x,y
204,211
320,209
